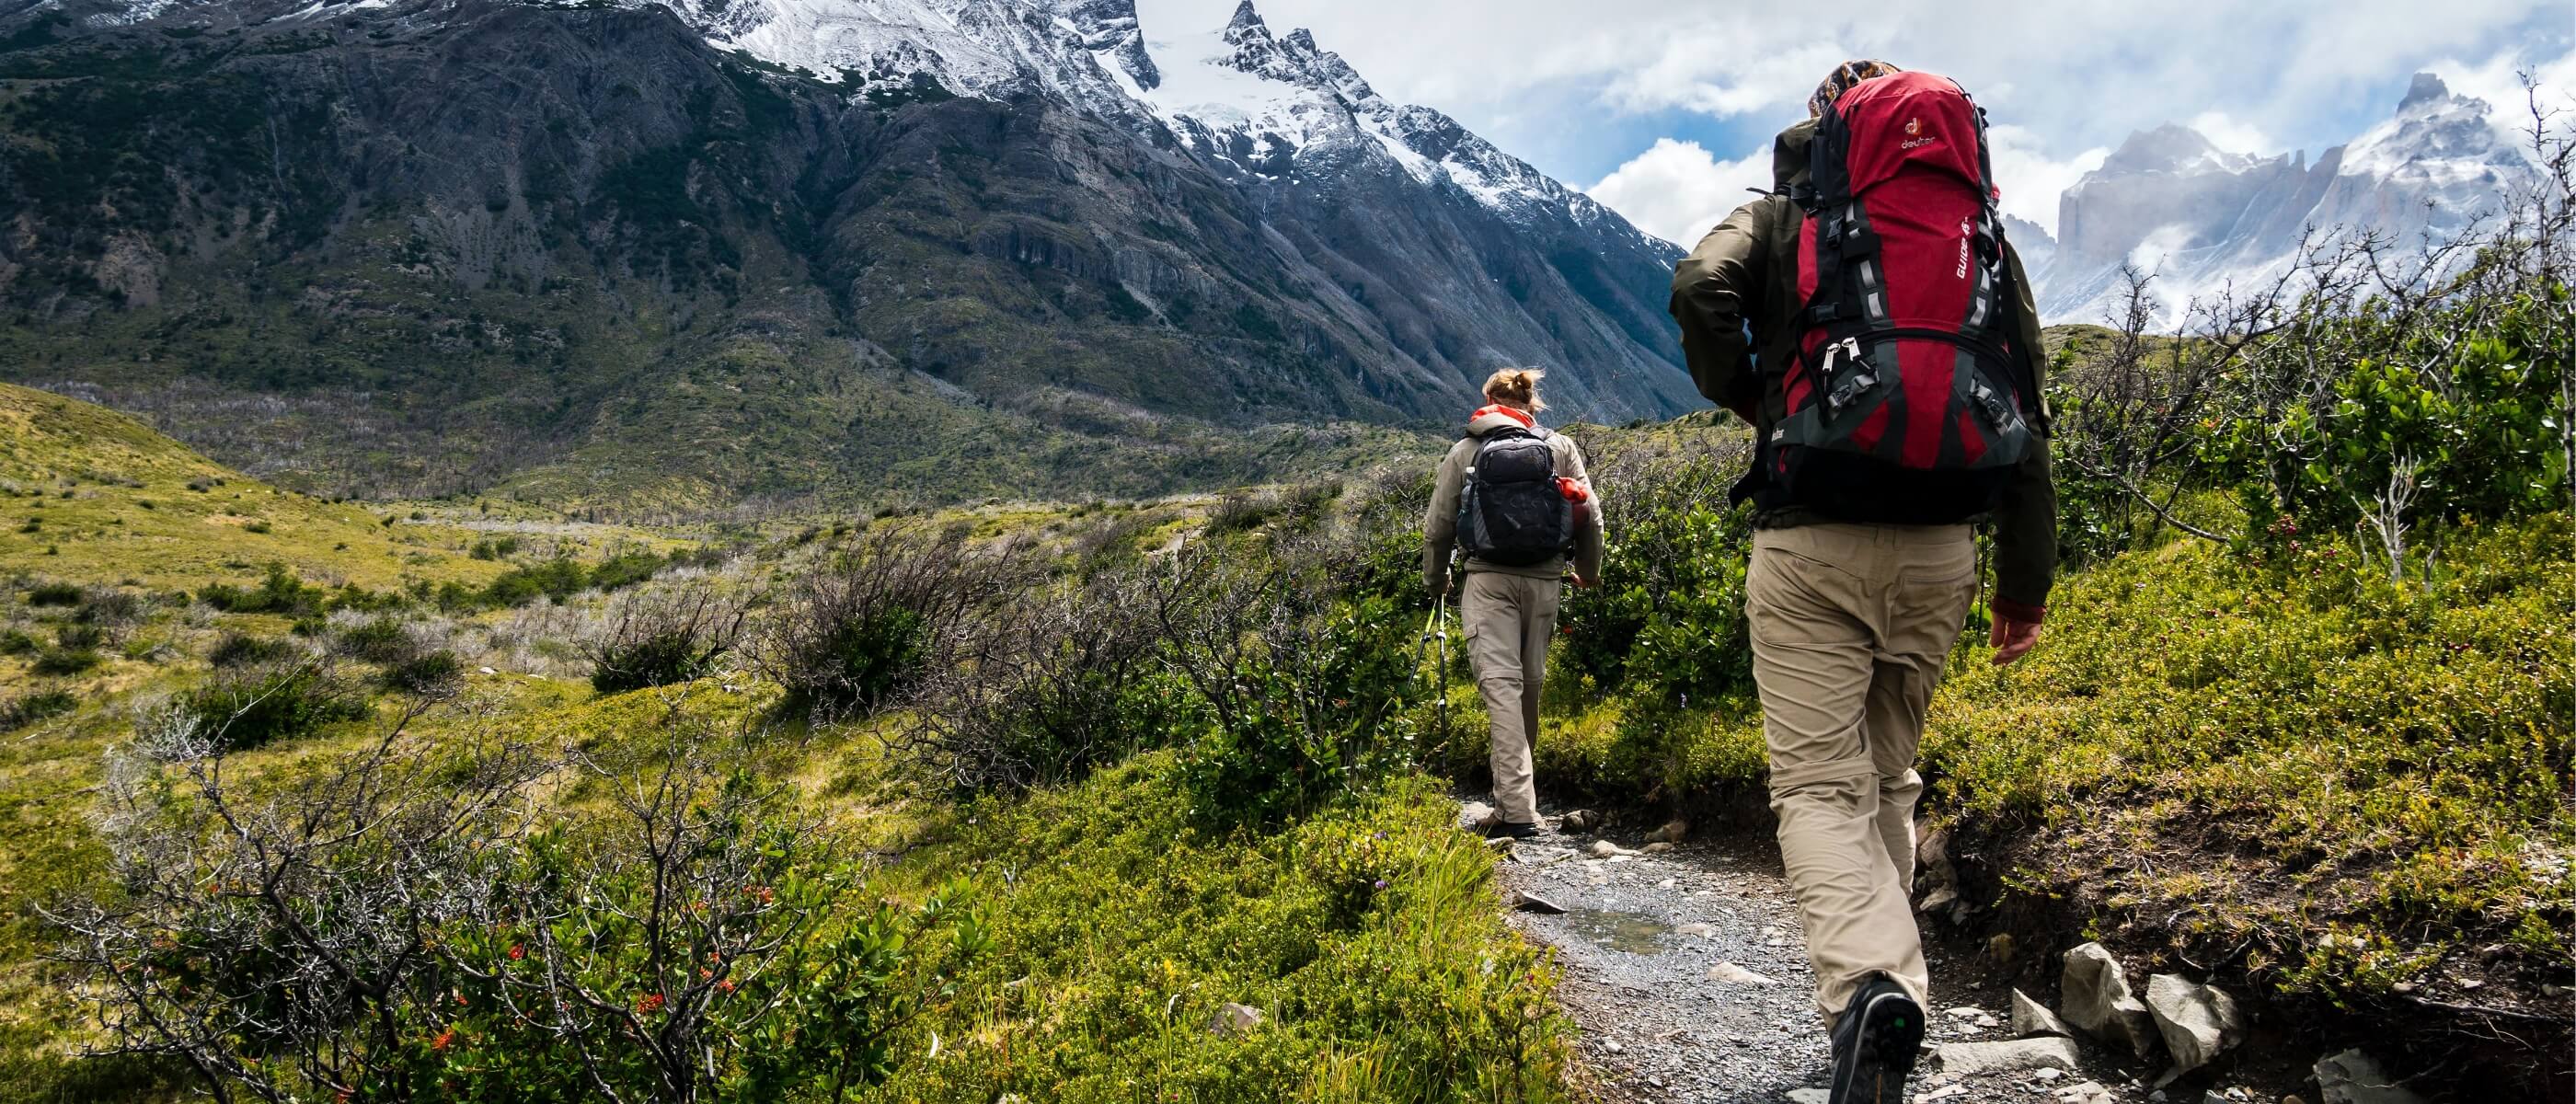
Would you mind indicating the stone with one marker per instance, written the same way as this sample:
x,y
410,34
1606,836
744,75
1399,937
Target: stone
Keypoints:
x,y
1945,1092
1697,930
1733,974
1665,884
2088,1092
1580,820
1658,847
1672,832
2005,1056
1604,849
2001,948
1235,1019
2047,1074
2029,1017
1527,901
1809,1096
2198,1022
2353,1077
1477,814
2096,999
1933,847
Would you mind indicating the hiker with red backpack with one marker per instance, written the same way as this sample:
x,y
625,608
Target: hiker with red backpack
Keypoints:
x,y
1514,499
1869,320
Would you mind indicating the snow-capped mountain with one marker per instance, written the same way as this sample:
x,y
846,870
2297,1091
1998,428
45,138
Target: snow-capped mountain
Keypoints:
x,y
1039,208
2200,218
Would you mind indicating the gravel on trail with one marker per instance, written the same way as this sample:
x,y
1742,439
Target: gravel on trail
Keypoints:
x,y
1686,974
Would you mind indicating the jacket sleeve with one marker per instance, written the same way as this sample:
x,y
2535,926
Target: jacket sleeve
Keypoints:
x,y
1590,531
2026,523
1440,523
1713,289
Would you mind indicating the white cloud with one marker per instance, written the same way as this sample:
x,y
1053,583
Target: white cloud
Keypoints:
x,y
2085,74
2498,81
2232,134
1677,190
2031,180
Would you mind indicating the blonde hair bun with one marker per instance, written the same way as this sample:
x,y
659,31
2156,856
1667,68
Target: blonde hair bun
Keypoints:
x,y
1518,386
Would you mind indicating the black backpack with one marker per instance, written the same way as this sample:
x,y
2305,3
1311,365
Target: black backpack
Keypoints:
x,y
1511,511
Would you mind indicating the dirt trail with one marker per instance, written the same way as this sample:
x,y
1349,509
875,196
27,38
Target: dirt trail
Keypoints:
x,y
1640,938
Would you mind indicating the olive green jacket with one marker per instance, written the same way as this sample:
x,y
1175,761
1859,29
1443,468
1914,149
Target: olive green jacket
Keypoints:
x,y
1738,279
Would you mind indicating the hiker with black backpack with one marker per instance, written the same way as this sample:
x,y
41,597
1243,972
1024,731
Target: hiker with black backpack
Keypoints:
x,y
1514,500
1869,320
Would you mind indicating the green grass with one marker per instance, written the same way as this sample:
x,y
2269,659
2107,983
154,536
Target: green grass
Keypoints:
x,y
1367,935
116,502
2270,755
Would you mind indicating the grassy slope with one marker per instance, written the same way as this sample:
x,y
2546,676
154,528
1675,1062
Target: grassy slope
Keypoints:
x,y
1132,922
95,496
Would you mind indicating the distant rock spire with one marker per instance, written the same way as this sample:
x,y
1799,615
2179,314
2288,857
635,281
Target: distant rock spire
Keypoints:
x,y
1245,20
2425,88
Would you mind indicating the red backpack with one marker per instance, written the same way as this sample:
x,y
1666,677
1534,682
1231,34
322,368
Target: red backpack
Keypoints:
x,y
1907,402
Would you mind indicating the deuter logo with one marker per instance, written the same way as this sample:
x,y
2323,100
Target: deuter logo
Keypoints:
x,y
1913,135
1913,127
1966,232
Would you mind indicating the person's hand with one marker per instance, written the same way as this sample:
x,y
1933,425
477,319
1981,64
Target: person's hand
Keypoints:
x,y
1580,583
2012,639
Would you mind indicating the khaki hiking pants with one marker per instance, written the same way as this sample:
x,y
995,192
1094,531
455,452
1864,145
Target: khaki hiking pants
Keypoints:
x,y
1508,619
1851,627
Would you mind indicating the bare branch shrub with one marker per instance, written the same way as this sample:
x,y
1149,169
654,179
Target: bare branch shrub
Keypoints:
x,y
420,920
662,636
1071,683
269,938
863,626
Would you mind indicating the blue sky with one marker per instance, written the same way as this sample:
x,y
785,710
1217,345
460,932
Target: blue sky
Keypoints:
x,y
1664,108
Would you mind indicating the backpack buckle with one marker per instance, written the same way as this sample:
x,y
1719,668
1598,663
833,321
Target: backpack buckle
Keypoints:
x,y
1843,391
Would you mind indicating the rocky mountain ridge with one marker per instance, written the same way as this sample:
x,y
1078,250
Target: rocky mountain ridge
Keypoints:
x,y
2200,218
845,243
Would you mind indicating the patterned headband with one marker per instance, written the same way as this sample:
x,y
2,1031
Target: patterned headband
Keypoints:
x,y
1842,80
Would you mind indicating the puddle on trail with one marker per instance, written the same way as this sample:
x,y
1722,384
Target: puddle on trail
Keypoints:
x,y
1634,933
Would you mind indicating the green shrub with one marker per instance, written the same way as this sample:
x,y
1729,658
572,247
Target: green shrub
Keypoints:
x,y
54,594
1075,682
429,674
692,938
377,640
109,606
496,548
259,706
664,640
76,636
860,629
28,709
1293,703
65,661
279,593
243,650
16,642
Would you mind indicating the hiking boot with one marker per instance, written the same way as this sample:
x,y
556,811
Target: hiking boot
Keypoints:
x,y
1499,828
1875,1044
